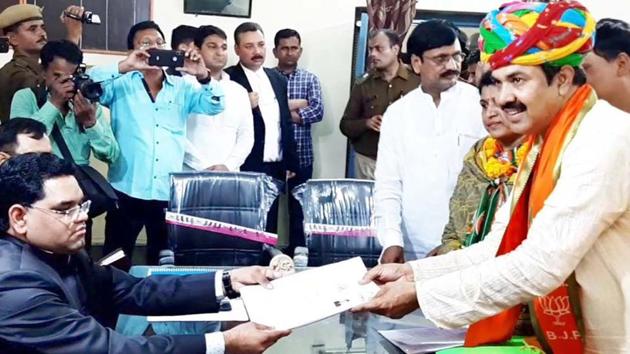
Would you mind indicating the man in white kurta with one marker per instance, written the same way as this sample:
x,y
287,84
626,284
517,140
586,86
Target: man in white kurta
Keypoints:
x,y
424,138
584,226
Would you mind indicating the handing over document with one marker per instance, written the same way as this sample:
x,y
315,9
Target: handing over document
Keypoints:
x,y
309,296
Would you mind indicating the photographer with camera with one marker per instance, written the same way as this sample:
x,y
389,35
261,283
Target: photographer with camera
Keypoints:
x,y
63,106
23,25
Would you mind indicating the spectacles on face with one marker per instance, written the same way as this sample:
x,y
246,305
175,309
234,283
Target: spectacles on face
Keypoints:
x,y
443,59
147,43
67,216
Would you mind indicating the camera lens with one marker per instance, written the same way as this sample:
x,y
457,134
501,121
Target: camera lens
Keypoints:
x,y
88,88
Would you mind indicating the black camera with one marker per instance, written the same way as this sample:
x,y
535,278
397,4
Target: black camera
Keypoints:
x,y
84,84
88,17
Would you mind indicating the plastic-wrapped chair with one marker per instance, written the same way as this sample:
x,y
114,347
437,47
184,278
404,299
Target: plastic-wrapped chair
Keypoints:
x,y
338,220
219,218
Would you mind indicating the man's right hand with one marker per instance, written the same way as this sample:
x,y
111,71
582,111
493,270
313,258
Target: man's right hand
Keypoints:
x,y
74,27
136,60
393,254
253,99
387,273
61,91
374,123
251,338
296,104
219,167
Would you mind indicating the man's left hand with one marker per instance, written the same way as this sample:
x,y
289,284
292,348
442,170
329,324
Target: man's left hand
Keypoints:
x,y
74,27
84,111
252,276
394,300
194,65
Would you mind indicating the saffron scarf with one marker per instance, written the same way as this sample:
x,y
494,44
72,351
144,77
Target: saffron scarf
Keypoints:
x,y
556,318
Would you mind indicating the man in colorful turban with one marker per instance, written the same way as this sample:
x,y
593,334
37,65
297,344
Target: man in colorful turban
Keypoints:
x,y
561,243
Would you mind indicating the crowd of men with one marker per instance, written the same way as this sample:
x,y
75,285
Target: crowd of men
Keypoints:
x,y
495,186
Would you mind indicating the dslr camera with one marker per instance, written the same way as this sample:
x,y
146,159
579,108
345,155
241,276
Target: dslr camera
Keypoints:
x,y
84,84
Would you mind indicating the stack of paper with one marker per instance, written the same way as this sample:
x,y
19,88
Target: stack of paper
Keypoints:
x,y
424,339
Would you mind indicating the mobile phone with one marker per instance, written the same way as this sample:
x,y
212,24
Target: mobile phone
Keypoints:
x,y
4,44
163,57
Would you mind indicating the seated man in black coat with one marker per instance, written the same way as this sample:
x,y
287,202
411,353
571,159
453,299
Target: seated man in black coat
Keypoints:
x,y
52,296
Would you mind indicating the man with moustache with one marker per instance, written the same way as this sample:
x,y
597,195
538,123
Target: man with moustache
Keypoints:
x,y
607,67
54,299
149,112
305,103
23,24
221,142
424,138
388,81
561,243
274,152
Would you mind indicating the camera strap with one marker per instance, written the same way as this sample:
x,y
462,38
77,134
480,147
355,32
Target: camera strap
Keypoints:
x,y
41,95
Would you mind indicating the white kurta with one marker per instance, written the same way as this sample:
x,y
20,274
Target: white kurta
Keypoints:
x,y
225,138
420,154
584,227
270,110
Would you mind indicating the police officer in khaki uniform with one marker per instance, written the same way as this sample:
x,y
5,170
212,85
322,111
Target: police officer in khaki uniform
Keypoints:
x,y
387,81
24,26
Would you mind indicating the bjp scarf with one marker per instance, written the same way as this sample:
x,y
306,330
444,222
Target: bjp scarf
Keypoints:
x,y
557,34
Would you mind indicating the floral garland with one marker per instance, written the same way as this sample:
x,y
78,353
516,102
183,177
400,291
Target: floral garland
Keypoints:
x,y
501,164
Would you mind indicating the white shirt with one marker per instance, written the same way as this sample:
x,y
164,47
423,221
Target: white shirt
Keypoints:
x,y
223,139
270,110
420,154
215,342
584,227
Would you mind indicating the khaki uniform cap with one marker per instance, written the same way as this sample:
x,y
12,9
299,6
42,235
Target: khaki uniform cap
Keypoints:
x,y
19,13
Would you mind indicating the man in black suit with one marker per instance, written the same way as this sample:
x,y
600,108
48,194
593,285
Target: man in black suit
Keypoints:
x,y
274,151
55,300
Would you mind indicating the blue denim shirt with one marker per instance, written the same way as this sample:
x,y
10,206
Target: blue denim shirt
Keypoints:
x,y
151,134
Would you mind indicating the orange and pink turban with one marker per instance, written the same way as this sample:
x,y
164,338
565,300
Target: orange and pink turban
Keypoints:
x,y
534,33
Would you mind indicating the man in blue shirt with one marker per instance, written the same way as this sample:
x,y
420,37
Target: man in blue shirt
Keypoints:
x,y
305,102
149,111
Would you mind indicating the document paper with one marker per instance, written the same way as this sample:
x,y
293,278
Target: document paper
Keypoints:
x,y
425,339
309,296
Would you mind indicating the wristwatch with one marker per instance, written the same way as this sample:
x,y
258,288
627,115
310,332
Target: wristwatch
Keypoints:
x,y
206,80
228,290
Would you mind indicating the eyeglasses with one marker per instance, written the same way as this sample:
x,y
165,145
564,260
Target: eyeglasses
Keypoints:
x,y
442,60
149,43
68,216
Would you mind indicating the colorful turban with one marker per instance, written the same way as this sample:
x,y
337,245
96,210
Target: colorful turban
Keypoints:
x,y
534,33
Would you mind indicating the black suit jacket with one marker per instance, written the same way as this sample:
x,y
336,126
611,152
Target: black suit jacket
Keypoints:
x,y
52,304
289,150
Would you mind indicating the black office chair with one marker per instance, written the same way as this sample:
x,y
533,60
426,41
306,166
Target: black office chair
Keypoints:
x,y
338,220
222,200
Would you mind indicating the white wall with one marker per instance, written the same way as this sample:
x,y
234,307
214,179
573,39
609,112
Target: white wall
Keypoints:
x,y
327,28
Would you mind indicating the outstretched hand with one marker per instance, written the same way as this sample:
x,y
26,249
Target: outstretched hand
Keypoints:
x,y
395,300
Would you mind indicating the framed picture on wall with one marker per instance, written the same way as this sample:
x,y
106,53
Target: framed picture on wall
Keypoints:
x,y
234,8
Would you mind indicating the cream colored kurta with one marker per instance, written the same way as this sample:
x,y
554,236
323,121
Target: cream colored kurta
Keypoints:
x,y
583,227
